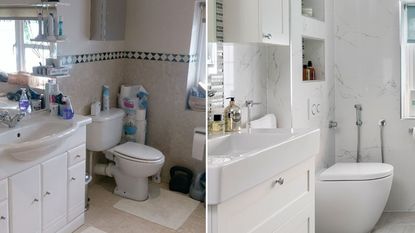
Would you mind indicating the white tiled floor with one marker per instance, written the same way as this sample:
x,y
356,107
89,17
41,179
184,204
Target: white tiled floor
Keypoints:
x,y
103,216
396,223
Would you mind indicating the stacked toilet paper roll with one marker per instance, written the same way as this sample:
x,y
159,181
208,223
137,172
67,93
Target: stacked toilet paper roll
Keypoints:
x,y
140,136
199,142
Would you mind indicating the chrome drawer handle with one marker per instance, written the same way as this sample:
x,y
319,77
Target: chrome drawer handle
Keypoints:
x,y
280,181
268,36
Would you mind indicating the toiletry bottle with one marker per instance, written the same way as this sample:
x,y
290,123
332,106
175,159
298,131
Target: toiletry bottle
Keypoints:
x,y
24,103
217,124
232,116
305,73
41,26
105,98
68,111
60,33
51,25
312,71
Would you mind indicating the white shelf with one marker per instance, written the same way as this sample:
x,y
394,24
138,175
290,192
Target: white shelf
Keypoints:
x,y
34,5
49,40
313,28
317,6
52,76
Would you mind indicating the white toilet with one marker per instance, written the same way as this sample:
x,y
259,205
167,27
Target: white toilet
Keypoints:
x,y
350,197
133,162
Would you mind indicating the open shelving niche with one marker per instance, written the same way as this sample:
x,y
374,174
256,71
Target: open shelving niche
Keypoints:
x,y
314,50
317,8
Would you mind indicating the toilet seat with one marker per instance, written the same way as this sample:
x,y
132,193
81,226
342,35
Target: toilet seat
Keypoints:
x,y
138,152
356,172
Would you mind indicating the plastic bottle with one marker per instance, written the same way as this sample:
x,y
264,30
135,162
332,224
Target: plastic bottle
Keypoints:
x,y
24,103
105,98
51,25
68,111
60,33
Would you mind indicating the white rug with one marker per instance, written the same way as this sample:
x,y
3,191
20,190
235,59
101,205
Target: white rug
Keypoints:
x,y
92,230
163,207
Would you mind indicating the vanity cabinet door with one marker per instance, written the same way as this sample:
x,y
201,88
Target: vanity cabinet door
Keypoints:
x,y
256,21
54,193
4,217
25,198
76,190
274,21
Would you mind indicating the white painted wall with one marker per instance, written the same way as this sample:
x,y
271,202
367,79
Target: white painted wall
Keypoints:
x,y
367,71
170,28
76,18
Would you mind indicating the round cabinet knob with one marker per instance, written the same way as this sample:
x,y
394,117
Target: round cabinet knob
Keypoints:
x,y
47,193
73,178
77,156
35,200
267,36
280,181
2,218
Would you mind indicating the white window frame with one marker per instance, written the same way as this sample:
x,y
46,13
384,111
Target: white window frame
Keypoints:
x,y
20,46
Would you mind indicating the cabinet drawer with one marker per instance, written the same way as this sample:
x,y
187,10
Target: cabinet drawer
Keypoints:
x,y
3,190
303,222
76,155
4,217
262,205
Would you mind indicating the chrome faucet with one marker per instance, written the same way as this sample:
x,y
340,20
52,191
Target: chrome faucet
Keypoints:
x,y
11,121
249,104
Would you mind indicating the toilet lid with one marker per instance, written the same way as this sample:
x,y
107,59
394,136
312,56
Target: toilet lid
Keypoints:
x,y
356,171
138,151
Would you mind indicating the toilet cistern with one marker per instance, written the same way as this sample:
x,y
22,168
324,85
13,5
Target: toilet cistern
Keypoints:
x,y
249,104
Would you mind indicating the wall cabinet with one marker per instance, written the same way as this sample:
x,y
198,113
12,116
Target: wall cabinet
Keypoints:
x,y
282,204
256,21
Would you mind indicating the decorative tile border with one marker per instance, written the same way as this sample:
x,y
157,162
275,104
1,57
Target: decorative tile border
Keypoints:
x,y
219,20
104,56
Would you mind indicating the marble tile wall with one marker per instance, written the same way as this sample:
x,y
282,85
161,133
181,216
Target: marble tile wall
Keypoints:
x,y
258,73
316,92
367,71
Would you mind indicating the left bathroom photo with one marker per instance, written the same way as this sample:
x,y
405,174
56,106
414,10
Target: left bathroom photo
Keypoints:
x,y
102,112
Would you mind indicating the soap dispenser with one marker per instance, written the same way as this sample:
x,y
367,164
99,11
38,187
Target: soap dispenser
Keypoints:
x,y
232,116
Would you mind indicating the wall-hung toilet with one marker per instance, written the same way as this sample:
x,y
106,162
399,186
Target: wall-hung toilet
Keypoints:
x,y
132,163
350,197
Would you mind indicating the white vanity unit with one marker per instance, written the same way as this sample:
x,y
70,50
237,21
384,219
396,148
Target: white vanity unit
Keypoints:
x,y
262,181
42,175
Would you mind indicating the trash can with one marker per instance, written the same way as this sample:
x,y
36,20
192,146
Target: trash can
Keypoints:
x,y
88,180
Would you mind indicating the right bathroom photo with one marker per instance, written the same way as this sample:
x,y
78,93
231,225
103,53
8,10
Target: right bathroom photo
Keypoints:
x,y
310,116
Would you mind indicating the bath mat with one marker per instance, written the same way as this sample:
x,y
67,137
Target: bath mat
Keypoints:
x,y
92,230
163,207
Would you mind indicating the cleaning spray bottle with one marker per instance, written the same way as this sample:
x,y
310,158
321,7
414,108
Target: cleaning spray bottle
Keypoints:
x,y
232,116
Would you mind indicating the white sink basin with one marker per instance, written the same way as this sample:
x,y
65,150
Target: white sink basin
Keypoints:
x,y
239,161
32,138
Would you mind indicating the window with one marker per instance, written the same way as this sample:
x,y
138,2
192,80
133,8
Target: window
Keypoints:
x,y
15,43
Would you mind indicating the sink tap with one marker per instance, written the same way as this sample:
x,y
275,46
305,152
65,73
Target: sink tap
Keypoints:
x,y
11,121
249,104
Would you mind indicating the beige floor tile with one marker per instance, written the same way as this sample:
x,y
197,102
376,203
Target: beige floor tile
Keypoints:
x,y
103,216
